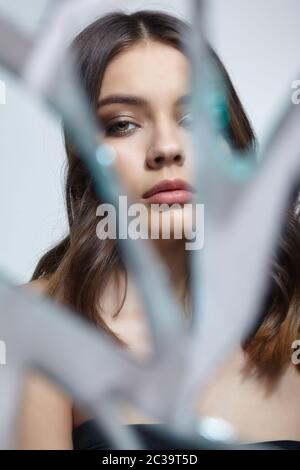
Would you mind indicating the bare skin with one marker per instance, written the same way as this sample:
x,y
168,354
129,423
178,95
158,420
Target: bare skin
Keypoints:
x,y
156,130
257,414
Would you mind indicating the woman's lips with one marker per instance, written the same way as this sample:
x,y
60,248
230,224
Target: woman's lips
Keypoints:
x,y
175,196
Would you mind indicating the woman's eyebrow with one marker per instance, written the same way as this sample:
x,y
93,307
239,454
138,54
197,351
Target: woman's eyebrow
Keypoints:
x,y
134,100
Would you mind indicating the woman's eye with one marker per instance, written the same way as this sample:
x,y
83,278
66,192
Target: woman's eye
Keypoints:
x,y
187,120
120,128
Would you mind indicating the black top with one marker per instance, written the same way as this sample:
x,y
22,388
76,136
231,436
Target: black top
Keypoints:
x,y
87,436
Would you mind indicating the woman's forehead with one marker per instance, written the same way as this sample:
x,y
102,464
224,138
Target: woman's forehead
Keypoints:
x,y
147,69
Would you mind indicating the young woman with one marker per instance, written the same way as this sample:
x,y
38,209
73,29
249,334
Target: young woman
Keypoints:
x,y
136,75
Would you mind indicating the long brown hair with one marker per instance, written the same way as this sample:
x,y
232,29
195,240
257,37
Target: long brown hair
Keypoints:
x,y
80,266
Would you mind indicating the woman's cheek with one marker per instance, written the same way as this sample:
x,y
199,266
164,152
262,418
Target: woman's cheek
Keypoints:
x,y
129,168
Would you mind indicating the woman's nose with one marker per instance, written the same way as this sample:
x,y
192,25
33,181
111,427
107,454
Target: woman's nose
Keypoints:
x,y
165,150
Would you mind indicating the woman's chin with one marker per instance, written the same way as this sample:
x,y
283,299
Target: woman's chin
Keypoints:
x,y
172,224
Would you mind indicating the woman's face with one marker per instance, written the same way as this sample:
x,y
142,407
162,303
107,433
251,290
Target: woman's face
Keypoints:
x,y
144,109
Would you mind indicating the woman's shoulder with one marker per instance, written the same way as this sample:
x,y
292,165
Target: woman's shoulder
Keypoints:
x,y
45,419
46,411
